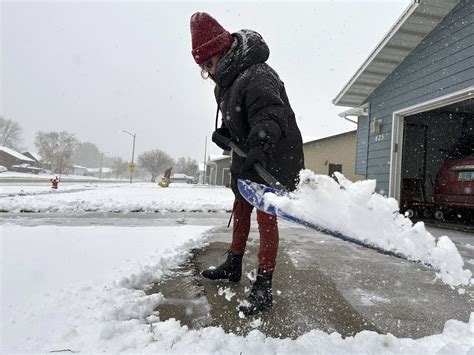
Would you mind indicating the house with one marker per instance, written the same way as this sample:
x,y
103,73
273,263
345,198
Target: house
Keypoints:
x,y
79,170
412,98
33,156
329,154
9,157
218,170
100,172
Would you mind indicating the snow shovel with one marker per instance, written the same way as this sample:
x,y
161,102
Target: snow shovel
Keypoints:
x,y
253,193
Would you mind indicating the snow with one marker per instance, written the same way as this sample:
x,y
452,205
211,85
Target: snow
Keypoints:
x,y
216,157
82,280
369,298
143,197
226,292
40,189
80,288
83,288
15,154
355,210
70,177
35,156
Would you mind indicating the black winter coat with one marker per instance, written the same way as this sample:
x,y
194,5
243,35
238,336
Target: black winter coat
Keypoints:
x,y
256,111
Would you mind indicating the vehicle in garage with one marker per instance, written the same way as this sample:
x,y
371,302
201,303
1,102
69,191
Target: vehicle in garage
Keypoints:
x,y
454,186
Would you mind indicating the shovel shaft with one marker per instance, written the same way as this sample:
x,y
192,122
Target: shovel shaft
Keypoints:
x,y
261,171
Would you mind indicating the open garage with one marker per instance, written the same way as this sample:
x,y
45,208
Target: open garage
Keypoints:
x,y
413,103
437,167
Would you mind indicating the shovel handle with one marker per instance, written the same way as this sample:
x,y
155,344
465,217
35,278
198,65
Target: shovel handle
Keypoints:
x,y
261,171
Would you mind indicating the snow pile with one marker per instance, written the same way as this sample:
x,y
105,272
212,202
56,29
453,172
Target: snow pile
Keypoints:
x,y
171,337
355,210
141,197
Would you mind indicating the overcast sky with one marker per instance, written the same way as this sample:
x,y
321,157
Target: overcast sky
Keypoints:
x,y
95,68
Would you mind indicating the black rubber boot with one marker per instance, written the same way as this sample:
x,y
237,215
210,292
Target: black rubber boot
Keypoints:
x,y
231,269
260,297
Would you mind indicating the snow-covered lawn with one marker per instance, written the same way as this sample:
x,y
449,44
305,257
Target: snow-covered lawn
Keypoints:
x,y
47,177
37,189
70,286
143,197
81,289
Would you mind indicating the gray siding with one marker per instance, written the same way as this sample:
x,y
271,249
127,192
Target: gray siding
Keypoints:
x,y
361,148
443,63
216,172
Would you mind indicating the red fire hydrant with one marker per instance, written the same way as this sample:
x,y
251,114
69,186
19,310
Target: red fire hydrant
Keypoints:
x,y
54,183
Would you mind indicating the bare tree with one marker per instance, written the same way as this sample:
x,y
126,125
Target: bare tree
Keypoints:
x,y
56,149
186,166
154,162
120,167
87,154
10,133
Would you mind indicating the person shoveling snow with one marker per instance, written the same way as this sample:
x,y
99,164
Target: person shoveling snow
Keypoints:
x,y
259,117
260,128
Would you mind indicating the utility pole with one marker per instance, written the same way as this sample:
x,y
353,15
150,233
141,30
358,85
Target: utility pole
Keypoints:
x,y
132,170
132,166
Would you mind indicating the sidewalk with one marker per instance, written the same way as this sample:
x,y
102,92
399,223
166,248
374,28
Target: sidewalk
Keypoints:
x,y
320,283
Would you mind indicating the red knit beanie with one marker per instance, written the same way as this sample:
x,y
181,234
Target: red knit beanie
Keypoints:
x,y
208,36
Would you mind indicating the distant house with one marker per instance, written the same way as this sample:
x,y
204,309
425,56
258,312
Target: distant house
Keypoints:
x,y
9,157
79,170
33,156
218,170
330,154
100,173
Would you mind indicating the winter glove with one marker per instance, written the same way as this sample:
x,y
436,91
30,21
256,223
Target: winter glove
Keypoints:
x,y
254,155
221,137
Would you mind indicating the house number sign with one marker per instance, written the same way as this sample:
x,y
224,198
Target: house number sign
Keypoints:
x,y
380,137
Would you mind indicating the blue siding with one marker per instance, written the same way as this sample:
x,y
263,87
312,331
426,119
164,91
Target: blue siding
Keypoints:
x,y
443,63
361,149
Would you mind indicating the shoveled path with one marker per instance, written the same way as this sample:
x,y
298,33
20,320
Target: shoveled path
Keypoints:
x,y
320,283
304,299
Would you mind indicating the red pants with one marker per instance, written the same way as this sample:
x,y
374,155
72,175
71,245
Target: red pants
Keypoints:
x,y
268,228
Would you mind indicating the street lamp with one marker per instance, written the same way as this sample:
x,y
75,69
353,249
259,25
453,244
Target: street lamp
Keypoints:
x,y
131,167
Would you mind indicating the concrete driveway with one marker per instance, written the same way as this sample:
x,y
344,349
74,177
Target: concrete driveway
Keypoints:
x,y
320,283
